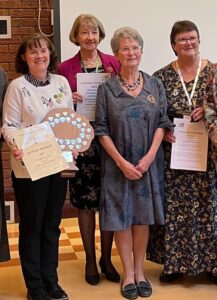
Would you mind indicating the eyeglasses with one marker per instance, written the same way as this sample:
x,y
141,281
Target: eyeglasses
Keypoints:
x,y
126,50
183,41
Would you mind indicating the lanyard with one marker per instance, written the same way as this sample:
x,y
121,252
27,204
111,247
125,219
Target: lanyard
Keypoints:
x,y
194,85
97,65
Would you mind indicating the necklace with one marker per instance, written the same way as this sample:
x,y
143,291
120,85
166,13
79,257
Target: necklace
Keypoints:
x,y
130,86
189,97
90,64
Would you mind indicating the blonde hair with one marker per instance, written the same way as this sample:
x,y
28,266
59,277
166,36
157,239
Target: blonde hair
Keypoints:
x,y
88,20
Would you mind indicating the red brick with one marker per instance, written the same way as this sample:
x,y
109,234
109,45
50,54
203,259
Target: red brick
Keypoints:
x,y
29,22
7,164
13,48
14,40
3,49
4,57
7,173
16,22
5,66
23,13
45,21
5,156
12,66
7,182
4,12
22,30
12,75
10,3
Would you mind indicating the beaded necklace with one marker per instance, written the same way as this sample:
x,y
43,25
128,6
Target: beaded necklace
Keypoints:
x,y
96,63
130,86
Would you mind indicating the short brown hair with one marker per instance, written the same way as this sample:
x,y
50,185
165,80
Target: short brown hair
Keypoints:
x,y
34,40
180,27
86,19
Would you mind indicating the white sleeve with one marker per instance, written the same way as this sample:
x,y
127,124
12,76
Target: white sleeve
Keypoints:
x,y
12,109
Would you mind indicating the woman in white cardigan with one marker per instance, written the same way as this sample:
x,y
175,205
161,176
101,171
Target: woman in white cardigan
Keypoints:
x,y
28,100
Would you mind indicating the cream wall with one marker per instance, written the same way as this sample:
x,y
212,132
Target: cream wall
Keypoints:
x,y
153,19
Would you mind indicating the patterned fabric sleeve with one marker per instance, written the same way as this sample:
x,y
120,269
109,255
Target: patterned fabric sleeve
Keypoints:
x,y
210,104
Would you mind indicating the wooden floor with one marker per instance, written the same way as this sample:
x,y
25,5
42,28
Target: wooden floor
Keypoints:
x,y
71,273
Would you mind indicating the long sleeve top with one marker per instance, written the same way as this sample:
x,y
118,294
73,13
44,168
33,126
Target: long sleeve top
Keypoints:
x,y
27,105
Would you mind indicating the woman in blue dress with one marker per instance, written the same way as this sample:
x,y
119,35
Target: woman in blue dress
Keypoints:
x,y
130,122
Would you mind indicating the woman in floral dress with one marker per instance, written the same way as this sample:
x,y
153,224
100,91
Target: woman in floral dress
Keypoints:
x,y
187,244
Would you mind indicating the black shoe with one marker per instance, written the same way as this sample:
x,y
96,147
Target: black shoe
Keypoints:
x,y
212,277
110,275
129,291
56,292
92,279
144,289
169,277
38,294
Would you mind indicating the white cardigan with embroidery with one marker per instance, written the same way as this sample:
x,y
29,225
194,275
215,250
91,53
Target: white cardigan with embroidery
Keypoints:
x,y
26,105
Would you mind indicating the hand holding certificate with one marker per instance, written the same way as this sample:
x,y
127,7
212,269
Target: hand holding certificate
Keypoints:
x,y
87,84
189,152
41,153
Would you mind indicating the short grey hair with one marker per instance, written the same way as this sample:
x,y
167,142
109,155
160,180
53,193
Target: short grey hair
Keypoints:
x,y
126,33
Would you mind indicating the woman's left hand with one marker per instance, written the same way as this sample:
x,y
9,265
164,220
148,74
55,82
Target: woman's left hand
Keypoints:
x,y
197,114
144,163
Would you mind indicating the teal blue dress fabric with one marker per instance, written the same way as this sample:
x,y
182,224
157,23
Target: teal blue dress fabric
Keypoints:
x,y
131,123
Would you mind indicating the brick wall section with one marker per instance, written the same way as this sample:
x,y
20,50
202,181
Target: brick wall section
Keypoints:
x,y
24,21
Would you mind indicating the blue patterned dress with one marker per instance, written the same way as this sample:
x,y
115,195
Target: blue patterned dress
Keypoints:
x,y
188,241
131,124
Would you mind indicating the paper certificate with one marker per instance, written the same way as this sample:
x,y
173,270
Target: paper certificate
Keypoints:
x,y
87,84
41,152
189,152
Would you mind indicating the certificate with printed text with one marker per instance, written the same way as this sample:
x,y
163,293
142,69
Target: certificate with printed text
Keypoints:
x,y
42,155
87,84
189,152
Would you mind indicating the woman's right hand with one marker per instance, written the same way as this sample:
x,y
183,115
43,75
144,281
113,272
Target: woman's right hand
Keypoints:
x,y
76,97
169,137
130,171
18,153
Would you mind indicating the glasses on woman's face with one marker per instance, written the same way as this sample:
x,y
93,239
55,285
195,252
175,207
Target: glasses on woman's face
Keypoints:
x,y
183,41
127,50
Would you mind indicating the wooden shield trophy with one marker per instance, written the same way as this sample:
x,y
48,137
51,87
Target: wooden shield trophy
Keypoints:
x,y
73,132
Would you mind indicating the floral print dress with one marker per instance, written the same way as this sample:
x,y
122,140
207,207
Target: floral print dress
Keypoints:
x,y
188,241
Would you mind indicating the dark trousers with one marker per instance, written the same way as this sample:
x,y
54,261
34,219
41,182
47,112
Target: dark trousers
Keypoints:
x,y
40,206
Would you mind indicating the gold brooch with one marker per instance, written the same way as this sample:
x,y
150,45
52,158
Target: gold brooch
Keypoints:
x,y
151,99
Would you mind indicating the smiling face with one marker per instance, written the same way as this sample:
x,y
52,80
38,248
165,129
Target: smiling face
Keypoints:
x,y
37,59
88,37
129,53
186,44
